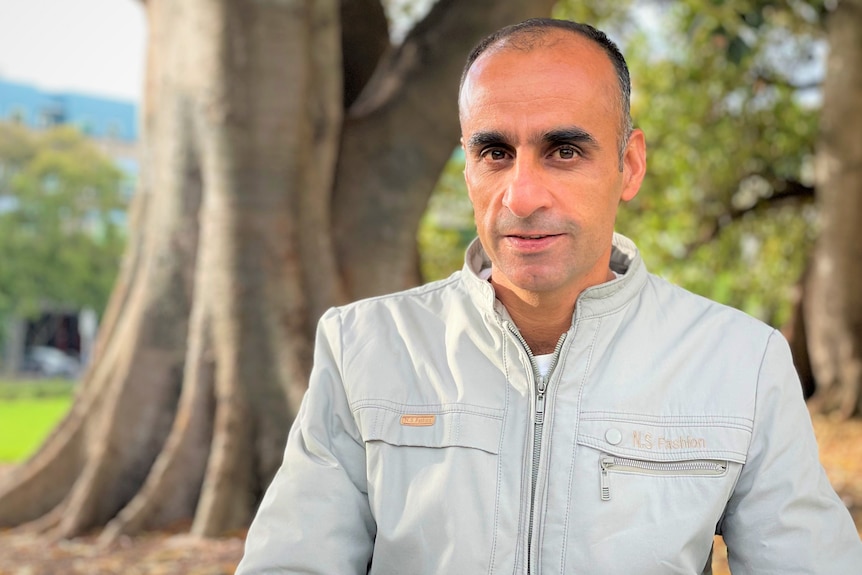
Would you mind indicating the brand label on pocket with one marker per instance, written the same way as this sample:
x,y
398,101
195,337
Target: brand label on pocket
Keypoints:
x,y
648,441
418,420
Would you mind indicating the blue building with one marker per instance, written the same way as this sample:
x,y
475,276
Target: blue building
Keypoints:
x,y
101,118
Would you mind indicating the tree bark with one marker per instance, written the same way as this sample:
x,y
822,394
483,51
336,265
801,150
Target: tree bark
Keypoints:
x,y
833,305
259,207
797,337
409,109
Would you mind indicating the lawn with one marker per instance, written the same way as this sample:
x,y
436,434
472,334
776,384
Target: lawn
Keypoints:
x,y
28,412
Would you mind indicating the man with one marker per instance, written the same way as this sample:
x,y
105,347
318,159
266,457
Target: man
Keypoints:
x,y
552,408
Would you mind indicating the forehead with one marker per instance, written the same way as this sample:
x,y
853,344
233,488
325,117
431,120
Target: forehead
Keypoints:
x,y
564,78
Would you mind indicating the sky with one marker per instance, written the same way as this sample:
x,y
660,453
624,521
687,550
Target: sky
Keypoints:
x,y
97,47
94,47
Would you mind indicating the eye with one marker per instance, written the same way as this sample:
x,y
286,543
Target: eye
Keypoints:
x,y
567,152
494,154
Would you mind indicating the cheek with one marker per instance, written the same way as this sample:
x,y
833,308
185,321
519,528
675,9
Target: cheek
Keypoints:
x,y
482,216
479,196
597,198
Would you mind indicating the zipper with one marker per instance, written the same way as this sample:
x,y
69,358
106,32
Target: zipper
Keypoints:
x,y
541,385
608,463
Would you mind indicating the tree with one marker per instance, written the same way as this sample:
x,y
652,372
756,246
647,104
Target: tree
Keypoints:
x,y
730,100
753,194
287,161
833,297
61,232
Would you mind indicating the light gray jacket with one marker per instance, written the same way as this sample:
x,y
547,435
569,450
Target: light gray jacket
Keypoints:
x,y
427,443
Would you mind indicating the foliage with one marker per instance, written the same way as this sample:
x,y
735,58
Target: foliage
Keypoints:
x,y
725,210
727,135
447,226
61,220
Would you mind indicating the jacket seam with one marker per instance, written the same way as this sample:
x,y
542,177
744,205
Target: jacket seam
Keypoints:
x,y
340,367
522,558
340,317
429,408
719,527
757,381
565,542
718,425
608,312
598,444
416,291
493,557
743,423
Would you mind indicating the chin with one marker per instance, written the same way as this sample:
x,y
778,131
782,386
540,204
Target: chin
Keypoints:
x,y
535,283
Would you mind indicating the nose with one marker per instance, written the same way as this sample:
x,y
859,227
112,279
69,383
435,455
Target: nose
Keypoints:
x,y
526,192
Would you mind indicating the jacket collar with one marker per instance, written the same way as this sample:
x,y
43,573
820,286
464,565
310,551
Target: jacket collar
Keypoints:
x,y
597,300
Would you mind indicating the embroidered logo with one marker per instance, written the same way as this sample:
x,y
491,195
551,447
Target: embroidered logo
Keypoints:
x,y
418,420
648,441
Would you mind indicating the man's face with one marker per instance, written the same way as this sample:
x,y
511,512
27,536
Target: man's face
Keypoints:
x,y
540,130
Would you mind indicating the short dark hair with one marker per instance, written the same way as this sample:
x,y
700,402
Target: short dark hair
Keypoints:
x,y
530,33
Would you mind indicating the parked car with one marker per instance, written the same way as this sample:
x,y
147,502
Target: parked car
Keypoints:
x,y
51,362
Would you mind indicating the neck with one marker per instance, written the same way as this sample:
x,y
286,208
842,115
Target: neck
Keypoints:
x,y
541,317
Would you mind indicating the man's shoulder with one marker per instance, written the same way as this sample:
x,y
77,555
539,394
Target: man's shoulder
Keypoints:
x,y
430,297
371,332
687,305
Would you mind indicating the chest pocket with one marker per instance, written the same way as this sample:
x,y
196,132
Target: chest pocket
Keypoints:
x,y
433,483
447,425
662,447
652,487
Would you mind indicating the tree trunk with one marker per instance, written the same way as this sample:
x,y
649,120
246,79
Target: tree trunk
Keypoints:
x,y
833,305
797,337
260,144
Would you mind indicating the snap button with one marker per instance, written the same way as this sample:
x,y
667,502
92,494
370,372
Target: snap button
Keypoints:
x,y
613,436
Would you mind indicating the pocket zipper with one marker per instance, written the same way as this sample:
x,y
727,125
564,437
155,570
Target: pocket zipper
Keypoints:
x,y
608,463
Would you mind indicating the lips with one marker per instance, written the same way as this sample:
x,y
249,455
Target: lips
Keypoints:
x,y
531,236
531,243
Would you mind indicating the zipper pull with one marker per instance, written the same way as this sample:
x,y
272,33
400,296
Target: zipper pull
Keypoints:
x,y
540,400
540,409
604,463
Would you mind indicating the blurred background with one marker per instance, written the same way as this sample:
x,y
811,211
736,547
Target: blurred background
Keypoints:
x,y
752,198
71,76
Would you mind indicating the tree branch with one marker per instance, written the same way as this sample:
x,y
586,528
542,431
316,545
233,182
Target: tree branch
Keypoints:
x,y
784,192
398,136
770,79
364,40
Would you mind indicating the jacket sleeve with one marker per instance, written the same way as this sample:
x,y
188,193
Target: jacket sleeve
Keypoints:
x,y
784,516
315,517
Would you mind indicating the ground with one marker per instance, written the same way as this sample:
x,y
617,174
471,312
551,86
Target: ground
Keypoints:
x,y
176,554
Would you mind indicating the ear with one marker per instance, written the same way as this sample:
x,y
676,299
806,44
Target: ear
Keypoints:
x,y
634,165
466,172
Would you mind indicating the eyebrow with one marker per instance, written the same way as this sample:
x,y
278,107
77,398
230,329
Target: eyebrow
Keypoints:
x,y
481,139
572,135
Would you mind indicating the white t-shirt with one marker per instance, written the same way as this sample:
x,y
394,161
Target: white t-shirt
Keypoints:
x,y
543,362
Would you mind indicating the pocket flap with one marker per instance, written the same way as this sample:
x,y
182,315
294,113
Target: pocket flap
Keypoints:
x,y
448,425
666,438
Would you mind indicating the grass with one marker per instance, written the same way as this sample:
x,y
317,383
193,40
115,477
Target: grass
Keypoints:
x,y
28,412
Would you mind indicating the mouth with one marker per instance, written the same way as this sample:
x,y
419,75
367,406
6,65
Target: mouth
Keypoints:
x,y
532,236
531,243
